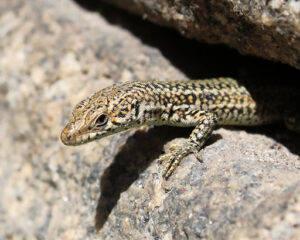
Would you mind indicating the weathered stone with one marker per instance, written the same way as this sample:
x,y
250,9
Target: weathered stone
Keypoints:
x,y
52,55
267,29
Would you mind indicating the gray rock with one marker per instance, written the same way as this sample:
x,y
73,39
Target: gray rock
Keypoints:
x,y
267,29
52,55
244,189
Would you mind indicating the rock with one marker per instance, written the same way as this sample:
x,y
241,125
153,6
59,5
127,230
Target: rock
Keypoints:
x,y
244,189
267,29
52,55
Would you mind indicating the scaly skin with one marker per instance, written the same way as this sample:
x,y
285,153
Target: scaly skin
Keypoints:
x,y
199,103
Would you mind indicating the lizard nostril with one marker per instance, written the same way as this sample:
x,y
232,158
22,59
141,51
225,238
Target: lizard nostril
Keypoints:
x,y
65,136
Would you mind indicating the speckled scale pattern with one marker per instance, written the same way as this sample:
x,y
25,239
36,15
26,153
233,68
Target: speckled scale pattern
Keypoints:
x,y
229,100
199,103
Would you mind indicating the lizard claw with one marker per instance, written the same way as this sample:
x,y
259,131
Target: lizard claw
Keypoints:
x,y
172,159
166,156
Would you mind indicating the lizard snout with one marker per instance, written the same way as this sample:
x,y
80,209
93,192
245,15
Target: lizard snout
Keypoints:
x,y
67,137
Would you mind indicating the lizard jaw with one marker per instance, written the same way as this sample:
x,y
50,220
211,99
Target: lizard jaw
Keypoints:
x,y
73,137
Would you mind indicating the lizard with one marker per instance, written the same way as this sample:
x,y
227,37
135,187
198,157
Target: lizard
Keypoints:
x,y
202,104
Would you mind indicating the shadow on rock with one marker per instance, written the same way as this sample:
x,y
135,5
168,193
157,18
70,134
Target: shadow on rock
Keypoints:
x,y
133,158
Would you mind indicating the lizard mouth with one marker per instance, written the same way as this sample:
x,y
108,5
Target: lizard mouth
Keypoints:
x,y
71,137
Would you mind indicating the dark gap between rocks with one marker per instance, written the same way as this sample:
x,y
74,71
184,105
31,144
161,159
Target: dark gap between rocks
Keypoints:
x,y
196,60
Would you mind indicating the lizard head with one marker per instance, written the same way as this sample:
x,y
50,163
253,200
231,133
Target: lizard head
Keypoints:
x,y
104,113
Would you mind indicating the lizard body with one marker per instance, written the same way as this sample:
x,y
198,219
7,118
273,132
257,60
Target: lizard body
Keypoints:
x,y
200,103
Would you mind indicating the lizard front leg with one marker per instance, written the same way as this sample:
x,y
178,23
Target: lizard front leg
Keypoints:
x,y
205,123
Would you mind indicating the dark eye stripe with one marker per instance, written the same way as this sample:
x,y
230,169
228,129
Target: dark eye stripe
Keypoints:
x,y
137,109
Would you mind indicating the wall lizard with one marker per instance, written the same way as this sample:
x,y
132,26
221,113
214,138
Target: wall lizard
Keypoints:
x,y
199,103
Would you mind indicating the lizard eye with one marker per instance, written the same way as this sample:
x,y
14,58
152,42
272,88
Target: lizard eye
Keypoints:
x,y
101,120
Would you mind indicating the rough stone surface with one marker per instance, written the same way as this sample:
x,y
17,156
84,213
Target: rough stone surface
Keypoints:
x,y
268,29
53,54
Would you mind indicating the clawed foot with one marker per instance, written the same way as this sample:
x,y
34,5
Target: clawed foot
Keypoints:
x,y
205,125
172,159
